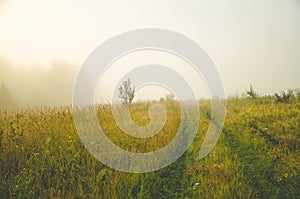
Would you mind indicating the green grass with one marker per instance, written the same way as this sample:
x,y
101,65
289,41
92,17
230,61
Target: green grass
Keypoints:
x,y
257,155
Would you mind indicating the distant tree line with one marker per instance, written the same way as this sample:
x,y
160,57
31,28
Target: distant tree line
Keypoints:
x,y
6,101
36,86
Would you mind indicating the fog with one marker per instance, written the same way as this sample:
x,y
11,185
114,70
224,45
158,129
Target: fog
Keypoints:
x,y
250,42
35,85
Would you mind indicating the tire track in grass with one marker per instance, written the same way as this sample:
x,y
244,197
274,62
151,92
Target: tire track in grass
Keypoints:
x,y
260,170
172,182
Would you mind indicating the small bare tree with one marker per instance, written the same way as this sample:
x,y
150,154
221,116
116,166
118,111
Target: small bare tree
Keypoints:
x,y
252,93
126,92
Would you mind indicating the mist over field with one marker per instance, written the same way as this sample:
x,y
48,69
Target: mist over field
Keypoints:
x,y
25,86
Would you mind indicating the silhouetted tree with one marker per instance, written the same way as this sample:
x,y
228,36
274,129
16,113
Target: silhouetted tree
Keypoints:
x,y
252,93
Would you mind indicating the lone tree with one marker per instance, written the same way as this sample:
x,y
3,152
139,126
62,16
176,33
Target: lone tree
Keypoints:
x,y
252,93
126,92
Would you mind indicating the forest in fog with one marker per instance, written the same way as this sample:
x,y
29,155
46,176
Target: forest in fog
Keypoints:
x,y
36,85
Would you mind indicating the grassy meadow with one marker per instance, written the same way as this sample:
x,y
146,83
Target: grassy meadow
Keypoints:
x,y
257,155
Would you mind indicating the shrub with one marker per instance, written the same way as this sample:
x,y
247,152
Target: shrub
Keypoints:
x,y
283,97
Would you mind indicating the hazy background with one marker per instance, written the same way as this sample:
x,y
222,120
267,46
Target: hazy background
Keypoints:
x,y
253,42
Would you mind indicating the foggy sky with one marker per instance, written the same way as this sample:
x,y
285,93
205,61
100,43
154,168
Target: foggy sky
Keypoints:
x,y
251,42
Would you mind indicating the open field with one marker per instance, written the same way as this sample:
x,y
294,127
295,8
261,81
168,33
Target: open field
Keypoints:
x,y
257,155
